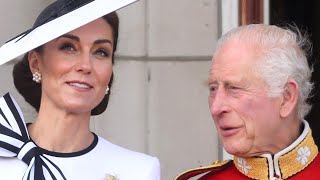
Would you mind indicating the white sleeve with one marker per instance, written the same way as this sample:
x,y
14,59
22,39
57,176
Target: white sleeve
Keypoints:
x,y
153,172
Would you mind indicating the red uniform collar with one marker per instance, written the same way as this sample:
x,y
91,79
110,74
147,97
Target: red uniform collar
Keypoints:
x,y
283,164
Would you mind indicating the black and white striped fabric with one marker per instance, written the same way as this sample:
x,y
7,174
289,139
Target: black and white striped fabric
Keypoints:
x,y
15,142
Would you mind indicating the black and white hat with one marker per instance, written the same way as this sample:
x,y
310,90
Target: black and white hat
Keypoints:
x,y
60,17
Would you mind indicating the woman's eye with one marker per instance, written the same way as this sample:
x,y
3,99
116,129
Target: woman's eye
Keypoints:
x,y
103,53
67,47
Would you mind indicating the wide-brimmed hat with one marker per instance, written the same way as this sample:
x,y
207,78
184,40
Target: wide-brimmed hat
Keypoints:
x,y
60,17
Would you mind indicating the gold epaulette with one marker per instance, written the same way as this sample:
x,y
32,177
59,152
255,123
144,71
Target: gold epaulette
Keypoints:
x,y
200,170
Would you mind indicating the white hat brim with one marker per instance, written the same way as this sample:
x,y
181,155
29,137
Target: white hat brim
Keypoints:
x,y
59,26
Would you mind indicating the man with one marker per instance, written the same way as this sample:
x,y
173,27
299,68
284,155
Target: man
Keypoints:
x,y
259,83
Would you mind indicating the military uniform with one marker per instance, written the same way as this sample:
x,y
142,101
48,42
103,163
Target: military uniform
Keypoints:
x,y
300,160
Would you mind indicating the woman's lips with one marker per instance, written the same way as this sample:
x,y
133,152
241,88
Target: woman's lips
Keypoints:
x,y
82,86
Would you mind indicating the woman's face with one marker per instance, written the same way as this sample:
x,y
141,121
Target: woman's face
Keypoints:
x,y
76,67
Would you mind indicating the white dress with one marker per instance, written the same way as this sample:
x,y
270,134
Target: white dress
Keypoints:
x,y
100,161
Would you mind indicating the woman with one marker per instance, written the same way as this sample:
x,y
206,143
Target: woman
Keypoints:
x,y
66,80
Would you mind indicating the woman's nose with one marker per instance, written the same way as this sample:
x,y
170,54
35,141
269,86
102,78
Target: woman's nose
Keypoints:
x,y
84,63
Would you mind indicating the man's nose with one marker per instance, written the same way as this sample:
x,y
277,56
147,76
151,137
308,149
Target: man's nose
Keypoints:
x,y
218,103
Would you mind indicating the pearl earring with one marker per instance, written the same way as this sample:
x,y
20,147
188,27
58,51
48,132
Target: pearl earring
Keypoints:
x,y
36,77
107,90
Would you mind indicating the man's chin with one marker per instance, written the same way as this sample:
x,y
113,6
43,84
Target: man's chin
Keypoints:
x,y
237,149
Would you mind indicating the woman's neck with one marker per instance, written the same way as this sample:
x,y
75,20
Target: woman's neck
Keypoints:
x,y
61,132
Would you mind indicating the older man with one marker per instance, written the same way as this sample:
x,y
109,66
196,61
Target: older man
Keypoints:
x,y
259,83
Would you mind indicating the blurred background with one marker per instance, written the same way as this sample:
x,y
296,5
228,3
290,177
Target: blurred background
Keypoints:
x,y
159,103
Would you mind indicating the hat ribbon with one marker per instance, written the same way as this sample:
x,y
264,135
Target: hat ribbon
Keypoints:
x,y
15,142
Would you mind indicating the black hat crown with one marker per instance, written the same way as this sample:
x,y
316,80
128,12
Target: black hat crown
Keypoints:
x,y
57,9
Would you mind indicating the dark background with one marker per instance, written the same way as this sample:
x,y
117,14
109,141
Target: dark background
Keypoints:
x,y
306,15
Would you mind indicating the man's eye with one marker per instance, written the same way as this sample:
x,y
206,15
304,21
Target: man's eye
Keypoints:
x,y
212,88
234,89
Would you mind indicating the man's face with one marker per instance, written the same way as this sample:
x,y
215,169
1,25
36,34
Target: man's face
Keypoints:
x,y
247,120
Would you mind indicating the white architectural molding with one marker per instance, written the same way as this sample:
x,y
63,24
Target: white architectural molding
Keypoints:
x,y
266,11
229,15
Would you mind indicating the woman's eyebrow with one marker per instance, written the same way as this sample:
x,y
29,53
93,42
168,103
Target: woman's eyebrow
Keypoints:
x,y
102,41
76,38
70,36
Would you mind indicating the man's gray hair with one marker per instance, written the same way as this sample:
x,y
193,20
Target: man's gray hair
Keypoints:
x,y
284,56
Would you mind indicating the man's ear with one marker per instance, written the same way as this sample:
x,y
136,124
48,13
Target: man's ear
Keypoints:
x,y
290,97
34,61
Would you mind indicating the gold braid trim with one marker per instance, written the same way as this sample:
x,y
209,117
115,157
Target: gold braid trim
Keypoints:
x,y
256,168
215,164
291,164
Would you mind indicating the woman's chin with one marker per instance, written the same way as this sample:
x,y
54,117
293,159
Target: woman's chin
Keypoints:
x,y
78,109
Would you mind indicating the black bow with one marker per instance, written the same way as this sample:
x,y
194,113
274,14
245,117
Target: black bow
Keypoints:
x,y
15,142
